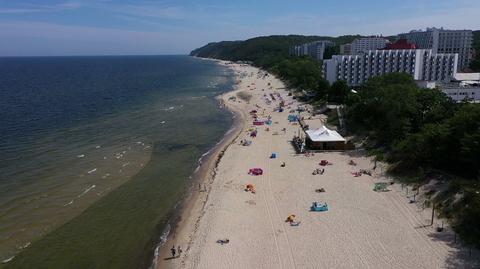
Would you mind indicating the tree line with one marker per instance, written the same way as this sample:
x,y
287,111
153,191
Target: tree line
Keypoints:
x,y
420,131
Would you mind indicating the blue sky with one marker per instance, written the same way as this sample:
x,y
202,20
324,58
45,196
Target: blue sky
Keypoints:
x,y
109,27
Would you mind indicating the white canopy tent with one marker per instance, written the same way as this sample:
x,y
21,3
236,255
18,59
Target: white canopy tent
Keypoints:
x,y
323,134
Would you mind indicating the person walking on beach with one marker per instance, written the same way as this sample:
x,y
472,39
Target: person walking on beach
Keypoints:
x,y
173,251
179,250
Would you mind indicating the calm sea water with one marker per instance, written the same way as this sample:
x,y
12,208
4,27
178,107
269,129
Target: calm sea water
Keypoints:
x,y
96,152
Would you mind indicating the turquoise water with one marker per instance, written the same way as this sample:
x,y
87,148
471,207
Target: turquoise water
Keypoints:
x,y
97,152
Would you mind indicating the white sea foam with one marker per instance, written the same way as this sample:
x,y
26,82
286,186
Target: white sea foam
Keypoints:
x,y
163,240
125,164
162,122
69,203
206,153
81,156
220,142
93,170
86,190
196,169
8,259
169,108
97,147
24,246
229,131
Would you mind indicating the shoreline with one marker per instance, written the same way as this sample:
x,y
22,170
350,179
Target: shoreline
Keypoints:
x,y
191,207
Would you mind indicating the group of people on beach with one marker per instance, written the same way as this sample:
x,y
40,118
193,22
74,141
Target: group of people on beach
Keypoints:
x,y
175,251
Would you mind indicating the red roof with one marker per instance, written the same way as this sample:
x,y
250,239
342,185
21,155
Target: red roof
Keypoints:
x,y
401,44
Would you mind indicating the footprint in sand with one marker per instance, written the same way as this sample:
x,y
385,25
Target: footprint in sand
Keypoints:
x,y
250,202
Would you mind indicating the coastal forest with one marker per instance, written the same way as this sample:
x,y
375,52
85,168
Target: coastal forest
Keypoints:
x,y
423,134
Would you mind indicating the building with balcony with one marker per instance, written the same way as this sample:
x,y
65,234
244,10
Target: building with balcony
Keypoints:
x,y
360,45
444,41
313,49
421,64
346,49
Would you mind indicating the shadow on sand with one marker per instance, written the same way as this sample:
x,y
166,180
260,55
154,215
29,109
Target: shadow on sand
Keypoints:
x,y
460,257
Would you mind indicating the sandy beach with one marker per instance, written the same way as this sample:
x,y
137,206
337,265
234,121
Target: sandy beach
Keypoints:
x,y
361,229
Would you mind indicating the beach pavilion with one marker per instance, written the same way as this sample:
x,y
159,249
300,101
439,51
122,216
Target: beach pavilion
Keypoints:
x,y
324,139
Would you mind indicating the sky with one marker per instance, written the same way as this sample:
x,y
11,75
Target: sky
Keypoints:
x,y
148,27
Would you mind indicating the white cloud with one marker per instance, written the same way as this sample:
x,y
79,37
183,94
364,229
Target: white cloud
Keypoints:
x,y
170,12
30,8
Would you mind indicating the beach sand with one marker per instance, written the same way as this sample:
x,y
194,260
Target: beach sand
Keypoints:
x,y
362,229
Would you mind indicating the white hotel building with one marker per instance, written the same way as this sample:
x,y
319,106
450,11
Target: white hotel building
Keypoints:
x,y
422,64
364,44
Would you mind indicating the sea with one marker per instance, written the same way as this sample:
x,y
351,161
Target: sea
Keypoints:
x,y
97,152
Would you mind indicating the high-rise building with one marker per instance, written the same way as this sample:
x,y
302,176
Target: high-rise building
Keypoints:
x,y
313,49
444,41
346,49
422,64
364,44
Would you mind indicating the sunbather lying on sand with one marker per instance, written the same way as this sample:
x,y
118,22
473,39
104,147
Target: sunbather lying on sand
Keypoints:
x,y
223,241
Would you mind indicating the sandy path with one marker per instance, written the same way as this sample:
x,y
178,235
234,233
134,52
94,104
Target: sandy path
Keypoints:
x,y
362,229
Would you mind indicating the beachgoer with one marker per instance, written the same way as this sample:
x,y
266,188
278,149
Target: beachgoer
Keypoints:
x,y
173,251
179,250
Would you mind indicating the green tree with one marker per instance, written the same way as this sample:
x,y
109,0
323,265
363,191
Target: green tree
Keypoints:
x,y
322,89
338,92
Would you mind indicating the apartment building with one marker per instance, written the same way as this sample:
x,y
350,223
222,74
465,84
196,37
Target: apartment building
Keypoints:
x,y
422,64
444,41
346,49
360,45
313,49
